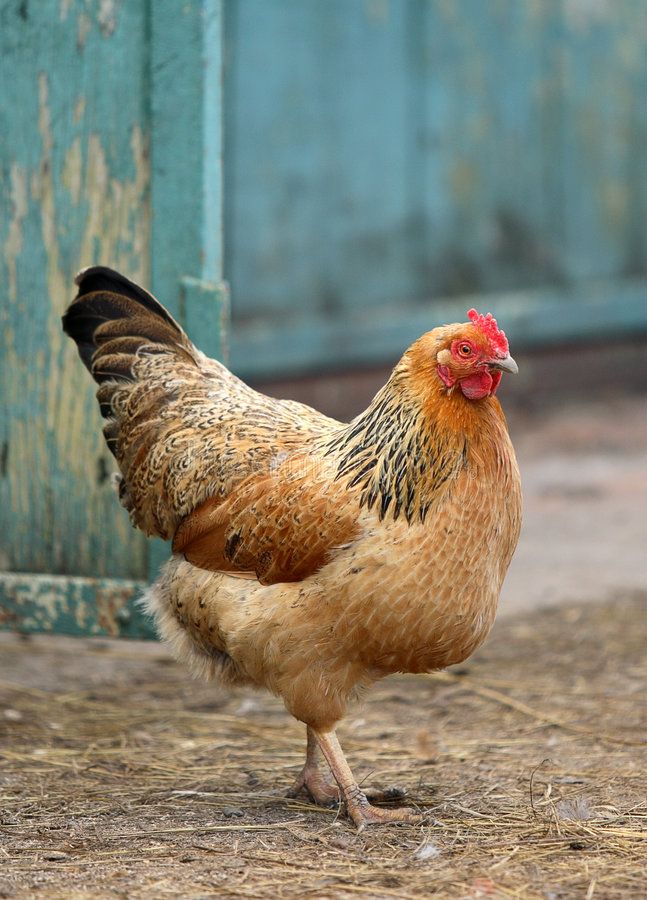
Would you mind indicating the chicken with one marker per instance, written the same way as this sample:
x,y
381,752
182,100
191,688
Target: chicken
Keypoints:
x,y
310,557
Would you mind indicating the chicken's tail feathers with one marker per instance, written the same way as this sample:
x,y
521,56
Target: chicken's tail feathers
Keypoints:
x,y
139,356
113,314
101,278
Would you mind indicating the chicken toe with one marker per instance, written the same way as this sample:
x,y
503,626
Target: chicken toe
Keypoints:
x,y
312,782
363,813
385,795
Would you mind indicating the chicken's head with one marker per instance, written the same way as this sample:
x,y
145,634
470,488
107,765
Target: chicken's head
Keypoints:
x,y
473,355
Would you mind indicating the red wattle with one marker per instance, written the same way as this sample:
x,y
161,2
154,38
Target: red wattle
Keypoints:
x,y
478,386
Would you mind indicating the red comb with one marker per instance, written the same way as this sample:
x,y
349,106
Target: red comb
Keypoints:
x,y
487,324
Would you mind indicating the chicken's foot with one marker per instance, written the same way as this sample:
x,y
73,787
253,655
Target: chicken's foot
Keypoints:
x,y
313,782
357,802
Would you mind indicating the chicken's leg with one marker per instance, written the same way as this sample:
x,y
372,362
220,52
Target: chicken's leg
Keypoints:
x,y
357,804
311,779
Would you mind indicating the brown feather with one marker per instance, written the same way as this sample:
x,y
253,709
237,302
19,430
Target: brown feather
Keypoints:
x,y
280,527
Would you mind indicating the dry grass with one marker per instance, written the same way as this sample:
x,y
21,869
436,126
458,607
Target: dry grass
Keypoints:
x,y
126,779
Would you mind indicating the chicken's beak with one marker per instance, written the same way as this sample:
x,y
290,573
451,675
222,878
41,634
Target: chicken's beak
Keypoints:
x,y
505,364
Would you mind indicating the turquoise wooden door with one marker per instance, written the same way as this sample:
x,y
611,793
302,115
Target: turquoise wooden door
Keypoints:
x,y
391,162
110,153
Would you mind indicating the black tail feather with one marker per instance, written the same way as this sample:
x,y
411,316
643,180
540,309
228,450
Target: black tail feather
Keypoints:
x,y
101,278
135,351
109,306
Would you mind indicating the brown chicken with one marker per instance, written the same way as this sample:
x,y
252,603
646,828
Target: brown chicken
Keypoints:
x,y
310,557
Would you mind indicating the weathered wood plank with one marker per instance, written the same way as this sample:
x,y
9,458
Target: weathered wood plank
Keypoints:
x,y
532,318
77,606
186,146
95,83
74,181
316,151
385,155
603,70
204,311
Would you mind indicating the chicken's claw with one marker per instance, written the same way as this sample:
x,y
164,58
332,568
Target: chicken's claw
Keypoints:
x,y
363,813
387,795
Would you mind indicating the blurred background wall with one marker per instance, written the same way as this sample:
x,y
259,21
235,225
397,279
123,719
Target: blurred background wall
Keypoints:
x,y
386,157
364,170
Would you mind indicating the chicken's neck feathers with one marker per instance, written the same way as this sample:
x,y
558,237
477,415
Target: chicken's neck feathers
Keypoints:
x,y
405,450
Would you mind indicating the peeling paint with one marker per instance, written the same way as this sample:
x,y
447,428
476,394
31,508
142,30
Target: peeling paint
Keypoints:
x,y
584,13
76,192
107,226
64,9
13,243
71,605
44,193
107,17
72,171
79,110
83,27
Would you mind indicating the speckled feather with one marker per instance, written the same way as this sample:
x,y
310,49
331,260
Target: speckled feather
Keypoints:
x,y
312,557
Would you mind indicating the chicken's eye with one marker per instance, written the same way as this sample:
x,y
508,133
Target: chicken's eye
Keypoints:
x,y
464,349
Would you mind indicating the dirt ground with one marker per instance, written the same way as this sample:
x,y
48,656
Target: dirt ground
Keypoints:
x,y
122,777
127,779
584,475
